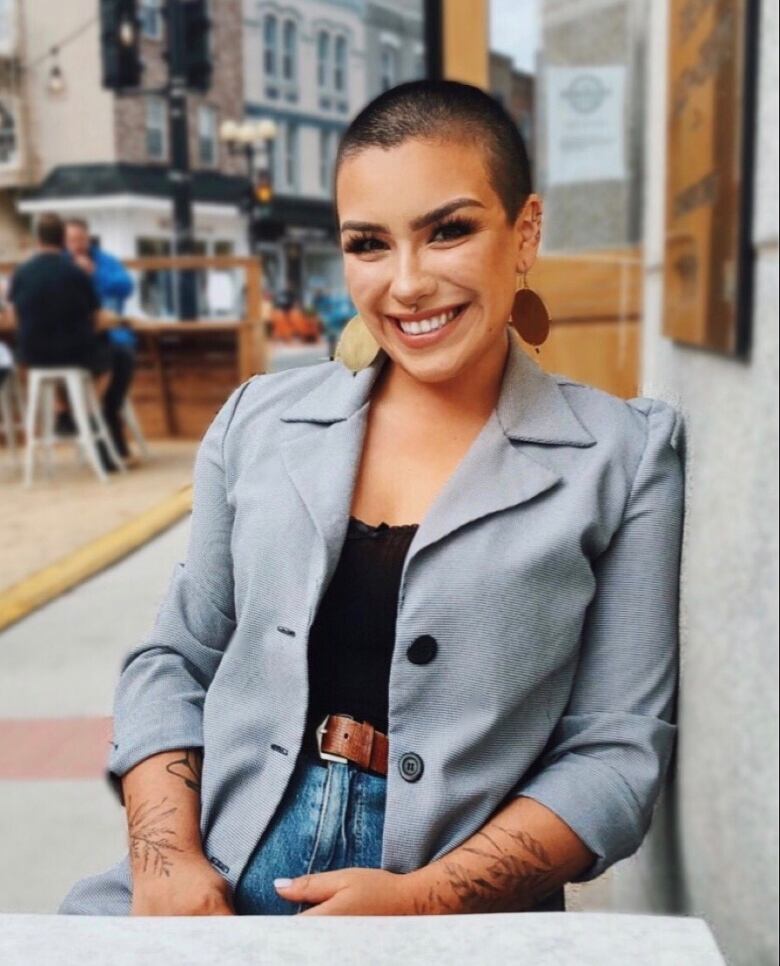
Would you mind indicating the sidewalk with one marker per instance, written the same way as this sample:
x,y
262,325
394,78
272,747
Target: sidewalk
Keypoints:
x,y
43,523
58,819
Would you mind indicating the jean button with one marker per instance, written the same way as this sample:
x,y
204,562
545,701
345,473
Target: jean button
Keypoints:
x,y
410,766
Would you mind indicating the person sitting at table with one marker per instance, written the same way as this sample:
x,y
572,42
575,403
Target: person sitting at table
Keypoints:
x,y
113,283
55,306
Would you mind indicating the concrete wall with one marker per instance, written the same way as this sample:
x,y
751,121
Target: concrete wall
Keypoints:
x,y
713,849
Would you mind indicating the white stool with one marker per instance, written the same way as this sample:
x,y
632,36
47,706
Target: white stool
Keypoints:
x,y
131,421
87,415
11,411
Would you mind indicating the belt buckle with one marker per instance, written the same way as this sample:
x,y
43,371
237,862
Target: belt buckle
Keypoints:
x,y
320,731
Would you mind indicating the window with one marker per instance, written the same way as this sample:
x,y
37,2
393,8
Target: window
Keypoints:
x,y
156,128
388,67
340,67
326,158
207,134
291,156
150,15
289,50
269,45
8,146
323,59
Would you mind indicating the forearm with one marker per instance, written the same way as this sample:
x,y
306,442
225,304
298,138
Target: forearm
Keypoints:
x,y
162,801
523,854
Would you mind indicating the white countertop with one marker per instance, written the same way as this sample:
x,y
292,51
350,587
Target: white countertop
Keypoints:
x,y
530,939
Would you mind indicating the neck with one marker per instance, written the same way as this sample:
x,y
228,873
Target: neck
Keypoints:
x,y
49,250
473,393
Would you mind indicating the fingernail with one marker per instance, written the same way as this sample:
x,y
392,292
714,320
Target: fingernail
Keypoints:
x,y
282,883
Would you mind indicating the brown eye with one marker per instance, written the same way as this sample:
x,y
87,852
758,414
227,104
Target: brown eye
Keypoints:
x,y
453,229
363,244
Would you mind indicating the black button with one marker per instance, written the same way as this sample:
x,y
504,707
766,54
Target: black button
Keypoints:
x,y
410,766
422,650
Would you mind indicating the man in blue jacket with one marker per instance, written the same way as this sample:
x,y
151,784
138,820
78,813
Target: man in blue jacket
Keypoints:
x,y
113,283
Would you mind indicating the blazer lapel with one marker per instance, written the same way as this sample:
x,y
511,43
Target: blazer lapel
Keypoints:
x,y
326,429
498,472
322,453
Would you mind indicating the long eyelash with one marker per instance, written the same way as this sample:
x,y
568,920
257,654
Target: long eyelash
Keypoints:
x,y
455,227
360,243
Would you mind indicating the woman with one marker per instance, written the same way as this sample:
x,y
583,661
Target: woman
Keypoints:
x,y
477,561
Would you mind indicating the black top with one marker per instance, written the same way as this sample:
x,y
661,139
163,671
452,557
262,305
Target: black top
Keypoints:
x,y
351,640
54,302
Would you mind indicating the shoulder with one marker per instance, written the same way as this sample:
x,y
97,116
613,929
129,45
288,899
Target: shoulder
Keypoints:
x,y
625,429
265,398
106,260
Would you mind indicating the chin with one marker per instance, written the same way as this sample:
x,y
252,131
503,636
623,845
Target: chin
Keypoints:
x,y
431,370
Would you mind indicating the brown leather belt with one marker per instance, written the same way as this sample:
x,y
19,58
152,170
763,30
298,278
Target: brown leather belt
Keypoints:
x,y
341,738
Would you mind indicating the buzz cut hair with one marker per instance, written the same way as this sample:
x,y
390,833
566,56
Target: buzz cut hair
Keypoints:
x,y
447,111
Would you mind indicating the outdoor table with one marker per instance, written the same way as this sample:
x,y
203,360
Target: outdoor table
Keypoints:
x,y
530,939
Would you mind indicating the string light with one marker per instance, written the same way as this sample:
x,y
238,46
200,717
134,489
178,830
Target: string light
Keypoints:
x,y
55,82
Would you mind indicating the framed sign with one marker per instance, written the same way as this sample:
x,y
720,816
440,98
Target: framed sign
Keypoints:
x,y
710,114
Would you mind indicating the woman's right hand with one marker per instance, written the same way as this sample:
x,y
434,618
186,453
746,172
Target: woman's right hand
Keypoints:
x,y
191,887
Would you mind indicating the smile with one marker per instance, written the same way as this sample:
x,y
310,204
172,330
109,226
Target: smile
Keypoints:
x,y
422,323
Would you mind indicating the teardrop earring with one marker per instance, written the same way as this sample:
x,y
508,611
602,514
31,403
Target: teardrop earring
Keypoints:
x,y
530,317
356,348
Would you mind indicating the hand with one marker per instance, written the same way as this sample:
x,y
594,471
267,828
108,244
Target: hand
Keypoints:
x,y
84,262
349,892
192,887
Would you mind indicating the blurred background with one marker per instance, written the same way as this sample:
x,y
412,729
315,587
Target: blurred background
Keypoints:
x,y
194,143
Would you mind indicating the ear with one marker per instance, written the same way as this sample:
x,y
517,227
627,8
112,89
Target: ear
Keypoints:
x,y
528,233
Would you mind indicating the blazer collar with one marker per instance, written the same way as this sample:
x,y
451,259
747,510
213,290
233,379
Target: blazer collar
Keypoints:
x,y
323,458
531,406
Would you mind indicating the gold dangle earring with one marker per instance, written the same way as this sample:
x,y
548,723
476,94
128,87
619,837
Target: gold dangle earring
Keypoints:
x,y
530,317
356,348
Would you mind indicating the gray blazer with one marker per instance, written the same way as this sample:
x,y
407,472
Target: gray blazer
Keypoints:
x,y
546,570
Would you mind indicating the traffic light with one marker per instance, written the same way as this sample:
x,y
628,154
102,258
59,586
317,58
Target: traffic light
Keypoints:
x,y
263,226
119,44
264,193
192,32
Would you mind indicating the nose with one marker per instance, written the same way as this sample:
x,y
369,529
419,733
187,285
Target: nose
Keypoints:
x,y
411,283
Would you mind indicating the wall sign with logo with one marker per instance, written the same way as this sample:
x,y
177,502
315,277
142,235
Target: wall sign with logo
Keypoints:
x,y
710,115
585,124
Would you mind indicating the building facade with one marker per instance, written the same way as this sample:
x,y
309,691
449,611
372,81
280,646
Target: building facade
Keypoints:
x,y
84,152
68,145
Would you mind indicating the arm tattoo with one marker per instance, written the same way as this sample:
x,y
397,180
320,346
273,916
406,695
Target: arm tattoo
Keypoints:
x,y
513,880
188,768
151,841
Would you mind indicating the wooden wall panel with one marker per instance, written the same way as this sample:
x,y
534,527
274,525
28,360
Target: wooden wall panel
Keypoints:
x,y
601,354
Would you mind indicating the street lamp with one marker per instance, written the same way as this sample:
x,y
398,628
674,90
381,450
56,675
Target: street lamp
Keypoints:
x,y
252,139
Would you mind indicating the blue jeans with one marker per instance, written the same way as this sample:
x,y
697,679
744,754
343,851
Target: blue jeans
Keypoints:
x,y
329,818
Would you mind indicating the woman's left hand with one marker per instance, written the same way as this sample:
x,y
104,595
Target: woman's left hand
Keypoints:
x,y
349,892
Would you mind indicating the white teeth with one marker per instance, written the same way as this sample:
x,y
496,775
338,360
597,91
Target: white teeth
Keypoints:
x,y
430,324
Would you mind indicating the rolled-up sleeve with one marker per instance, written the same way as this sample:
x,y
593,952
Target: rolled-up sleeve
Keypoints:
x,y
605,763
158,704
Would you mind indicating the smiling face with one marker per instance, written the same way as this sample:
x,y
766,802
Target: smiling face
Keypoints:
x,y
430,257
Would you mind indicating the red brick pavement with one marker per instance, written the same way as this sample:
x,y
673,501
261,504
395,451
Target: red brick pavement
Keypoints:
x,y
54,748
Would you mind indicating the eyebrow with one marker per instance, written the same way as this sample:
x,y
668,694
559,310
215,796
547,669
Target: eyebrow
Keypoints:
x,y
418,223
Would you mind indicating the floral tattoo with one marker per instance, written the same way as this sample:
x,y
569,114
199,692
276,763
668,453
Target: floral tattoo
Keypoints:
x,y
151,838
